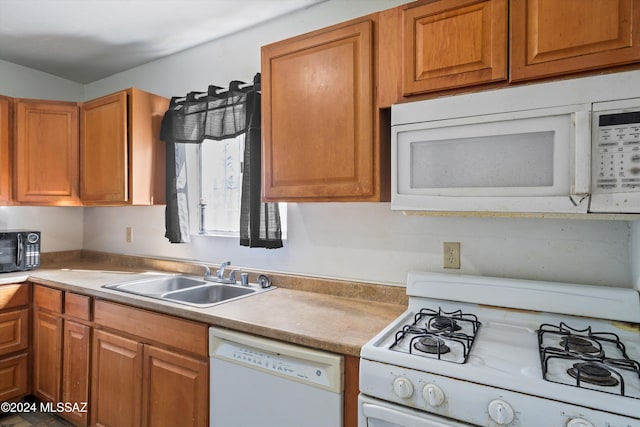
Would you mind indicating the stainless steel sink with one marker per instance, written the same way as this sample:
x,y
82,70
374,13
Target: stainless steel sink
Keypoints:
x,y
186,290
209,294
158,285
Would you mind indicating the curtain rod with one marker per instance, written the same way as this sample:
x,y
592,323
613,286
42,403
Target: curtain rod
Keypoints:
x,y
235,86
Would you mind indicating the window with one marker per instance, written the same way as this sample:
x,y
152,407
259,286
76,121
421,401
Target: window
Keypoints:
x,y
219,169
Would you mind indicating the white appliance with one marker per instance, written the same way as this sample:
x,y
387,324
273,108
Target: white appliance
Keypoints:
x,y
481,351
521,149
261,382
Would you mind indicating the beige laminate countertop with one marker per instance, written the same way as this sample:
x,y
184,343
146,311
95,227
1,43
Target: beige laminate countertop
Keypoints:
x,y
318,320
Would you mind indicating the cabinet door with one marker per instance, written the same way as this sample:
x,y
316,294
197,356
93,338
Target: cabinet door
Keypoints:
x,y
175,389
75,372
104,166
46,153
14,380
14,331
550,37
116,390
454,43
317,123
47,356
5,162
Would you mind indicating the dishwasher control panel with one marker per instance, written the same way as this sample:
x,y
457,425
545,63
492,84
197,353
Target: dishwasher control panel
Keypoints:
x,y
274,363
317,368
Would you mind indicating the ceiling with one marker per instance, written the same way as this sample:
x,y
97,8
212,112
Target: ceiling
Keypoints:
x,y
86,40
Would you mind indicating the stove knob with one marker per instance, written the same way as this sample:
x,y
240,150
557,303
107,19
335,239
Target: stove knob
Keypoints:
x,y
579,422
501,412
433,395
403,388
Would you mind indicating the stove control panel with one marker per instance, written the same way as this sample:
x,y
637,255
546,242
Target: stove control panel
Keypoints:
x,y
477,404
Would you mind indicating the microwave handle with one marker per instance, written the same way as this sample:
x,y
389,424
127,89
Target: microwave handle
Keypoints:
x,y
581,184
20,251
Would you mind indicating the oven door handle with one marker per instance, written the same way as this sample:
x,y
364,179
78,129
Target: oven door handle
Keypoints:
x,y
404,419
19,251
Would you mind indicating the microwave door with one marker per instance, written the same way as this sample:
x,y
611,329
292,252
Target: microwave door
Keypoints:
x,y
529,161
9,251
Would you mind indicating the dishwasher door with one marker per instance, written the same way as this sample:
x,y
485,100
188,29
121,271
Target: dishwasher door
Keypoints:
x,y
266,383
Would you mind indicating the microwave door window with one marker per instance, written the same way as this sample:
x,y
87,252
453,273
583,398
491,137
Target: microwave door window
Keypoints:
x,y
8,251
502,161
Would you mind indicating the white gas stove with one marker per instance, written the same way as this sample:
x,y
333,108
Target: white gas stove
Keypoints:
x,y
502,352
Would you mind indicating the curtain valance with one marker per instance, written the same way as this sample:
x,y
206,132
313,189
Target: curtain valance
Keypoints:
x,y
215,114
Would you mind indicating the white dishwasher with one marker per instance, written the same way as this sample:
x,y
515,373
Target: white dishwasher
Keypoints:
x,y
259,382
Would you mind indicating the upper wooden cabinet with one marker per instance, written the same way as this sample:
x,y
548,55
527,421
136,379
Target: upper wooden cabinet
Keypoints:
x,y
454,43
5,153
550,37
46,152
122,157
319,130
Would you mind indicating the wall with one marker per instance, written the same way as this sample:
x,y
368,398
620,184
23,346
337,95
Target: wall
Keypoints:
x,y
361,241
22,82
61,227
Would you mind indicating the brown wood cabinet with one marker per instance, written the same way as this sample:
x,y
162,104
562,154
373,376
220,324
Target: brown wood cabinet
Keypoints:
x,y
47,343
116,381
550,37
5,152
46,152
454,43
174,387
76,356
122,157
61,350
149,369
319,119
14,341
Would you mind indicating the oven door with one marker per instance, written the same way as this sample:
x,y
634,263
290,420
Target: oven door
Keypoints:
x,y
378,413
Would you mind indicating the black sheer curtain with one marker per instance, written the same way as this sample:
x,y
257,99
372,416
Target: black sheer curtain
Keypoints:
x,y
218,115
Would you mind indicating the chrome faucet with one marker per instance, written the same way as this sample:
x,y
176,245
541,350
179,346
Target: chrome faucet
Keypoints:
x,y
219,277
220,273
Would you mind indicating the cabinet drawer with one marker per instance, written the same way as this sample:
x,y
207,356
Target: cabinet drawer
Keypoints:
x,y
47,298
14,295
14,331
154,327
78,306
13,377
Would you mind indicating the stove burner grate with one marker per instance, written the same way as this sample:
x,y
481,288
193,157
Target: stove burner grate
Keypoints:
x,y
586,348
434,333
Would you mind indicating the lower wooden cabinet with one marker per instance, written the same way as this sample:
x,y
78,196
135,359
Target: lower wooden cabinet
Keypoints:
x,y
148,379
175,389
116,381
14,341
47,356
75,370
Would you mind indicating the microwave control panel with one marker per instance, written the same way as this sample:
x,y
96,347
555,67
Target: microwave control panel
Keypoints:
x,y
617,152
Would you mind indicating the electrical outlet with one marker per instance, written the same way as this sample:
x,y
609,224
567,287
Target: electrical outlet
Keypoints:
x,y
451,255
129,234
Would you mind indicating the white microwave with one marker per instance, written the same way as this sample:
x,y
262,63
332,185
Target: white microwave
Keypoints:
x,y
513,150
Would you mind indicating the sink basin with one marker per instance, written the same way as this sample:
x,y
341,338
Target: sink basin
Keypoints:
x,y
157,286
209,294
186,290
